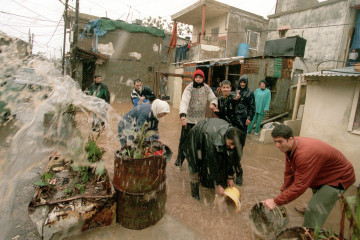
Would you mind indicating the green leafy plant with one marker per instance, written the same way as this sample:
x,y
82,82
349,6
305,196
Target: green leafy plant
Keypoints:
x,y
44,180
136,148
83,172
319,234
94,152
68,191
350,210
80,187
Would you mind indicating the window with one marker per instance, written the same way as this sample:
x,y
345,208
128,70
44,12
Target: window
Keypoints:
x,y
215,32
354,123
284,18
283,31
253,39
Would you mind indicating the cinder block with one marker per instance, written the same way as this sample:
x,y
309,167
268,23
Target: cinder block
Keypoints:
x,y
265,136
295,125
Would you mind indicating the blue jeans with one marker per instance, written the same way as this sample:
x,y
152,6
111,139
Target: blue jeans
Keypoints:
x,y
163,90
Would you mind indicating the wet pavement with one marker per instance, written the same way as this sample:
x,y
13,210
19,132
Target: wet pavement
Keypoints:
x,y
185,218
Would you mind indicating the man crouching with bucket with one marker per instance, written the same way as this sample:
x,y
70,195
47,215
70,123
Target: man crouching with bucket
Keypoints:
x,y
315,164
211,148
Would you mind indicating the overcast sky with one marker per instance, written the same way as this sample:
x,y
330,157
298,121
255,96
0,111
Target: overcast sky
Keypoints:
x,y
44,17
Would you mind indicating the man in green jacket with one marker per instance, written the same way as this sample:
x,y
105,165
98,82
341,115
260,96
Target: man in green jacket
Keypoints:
x,y
210,149
100,90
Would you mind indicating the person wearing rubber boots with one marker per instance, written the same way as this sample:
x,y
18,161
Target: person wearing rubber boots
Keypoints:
x,y
193,107
210,148
311,163
244,114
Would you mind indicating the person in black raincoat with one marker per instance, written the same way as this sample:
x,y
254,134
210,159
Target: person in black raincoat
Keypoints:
x,y
244,113
227,103
210,149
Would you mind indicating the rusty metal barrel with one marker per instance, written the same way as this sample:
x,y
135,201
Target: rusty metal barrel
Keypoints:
x,y
140,190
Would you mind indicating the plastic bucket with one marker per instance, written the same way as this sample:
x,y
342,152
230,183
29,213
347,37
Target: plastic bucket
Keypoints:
x,y
267,223
234,194
243,50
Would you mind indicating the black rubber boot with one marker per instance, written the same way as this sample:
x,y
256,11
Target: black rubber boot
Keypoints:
x,y
179,162
239,180
195,190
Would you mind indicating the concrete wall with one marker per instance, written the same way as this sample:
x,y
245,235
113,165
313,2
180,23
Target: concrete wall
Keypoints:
x,y
205,50
286,5
233,27
177,87
326,28
132,56
326,116
239,24
218,22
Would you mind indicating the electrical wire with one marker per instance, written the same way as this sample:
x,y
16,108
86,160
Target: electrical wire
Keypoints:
x,y
31,10
27,17
54,31
69,6
26,34
14,25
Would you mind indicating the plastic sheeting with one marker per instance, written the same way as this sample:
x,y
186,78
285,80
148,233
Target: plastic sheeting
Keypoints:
x,y
102,26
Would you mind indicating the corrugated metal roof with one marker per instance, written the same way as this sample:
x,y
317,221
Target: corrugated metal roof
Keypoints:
x,y
218,60
339,72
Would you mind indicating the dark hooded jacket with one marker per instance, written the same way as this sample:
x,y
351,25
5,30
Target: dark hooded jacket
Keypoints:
x,y
214,162
245,108
226,108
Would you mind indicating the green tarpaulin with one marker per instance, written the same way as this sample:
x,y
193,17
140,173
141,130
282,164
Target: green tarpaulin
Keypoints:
x,y
101,26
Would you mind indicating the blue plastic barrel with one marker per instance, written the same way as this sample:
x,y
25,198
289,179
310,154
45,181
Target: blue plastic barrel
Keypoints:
x,y
243,50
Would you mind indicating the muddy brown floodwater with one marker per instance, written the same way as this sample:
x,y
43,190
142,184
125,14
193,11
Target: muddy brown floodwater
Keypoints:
x,y
263,166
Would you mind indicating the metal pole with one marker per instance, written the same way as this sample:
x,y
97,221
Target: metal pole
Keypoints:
x,y
63,52
274,118
75,41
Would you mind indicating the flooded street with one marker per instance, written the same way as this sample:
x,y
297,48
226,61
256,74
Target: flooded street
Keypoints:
x,y
185,218
263,166
63,94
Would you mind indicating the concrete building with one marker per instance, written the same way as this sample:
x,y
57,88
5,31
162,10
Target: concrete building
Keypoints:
x,y
218,29
332,111
121,53
23,48
280,74
327,26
